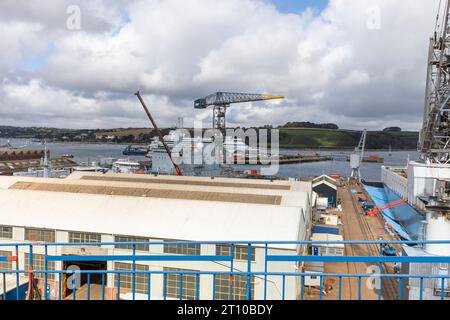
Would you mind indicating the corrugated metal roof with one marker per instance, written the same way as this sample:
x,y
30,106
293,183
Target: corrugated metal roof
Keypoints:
x,y
155,218
192,218
148,193
324,179
188,182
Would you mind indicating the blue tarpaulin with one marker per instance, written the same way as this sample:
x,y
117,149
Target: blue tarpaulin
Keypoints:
x,y
404,219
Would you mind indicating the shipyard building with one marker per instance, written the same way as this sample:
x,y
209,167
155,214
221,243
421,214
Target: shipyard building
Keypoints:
x,y
91,207
426,216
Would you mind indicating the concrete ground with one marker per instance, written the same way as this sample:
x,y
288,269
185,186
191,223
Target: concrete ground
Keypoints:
x,y
81,294
356,226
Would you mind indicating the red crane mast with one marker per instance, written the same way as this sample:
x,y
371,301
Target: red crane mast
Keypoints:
x,y
377,210
158,132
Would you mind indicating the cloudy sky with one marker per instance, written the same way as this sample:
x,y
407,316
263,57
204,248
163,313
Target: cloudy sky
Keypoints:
x,y
357,63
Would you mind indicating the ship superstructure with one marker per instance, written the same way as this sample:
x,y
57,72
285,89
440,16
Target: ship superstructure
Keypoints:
x,y
195,156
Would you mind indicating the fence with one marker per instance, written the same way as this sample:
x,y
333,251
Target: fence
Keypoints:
x,y
287,277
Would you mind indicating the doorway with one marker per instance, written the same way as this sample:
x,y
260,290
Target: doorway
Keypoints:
x,y
95,279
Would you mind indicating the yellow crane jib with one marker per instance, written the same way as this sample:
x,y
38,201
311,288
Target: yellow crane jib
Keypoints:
x,y
270,97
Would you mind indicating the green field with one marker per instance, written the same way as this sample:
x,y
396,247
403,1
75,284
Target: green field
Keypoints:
x,y
346,139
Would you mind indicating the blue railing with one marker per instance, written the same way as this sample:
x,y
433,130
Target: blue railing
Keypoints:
x,y
230,269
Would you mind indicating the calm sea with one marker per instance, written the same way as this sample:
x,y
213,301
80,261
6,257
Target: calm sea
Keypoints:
x,y
98,152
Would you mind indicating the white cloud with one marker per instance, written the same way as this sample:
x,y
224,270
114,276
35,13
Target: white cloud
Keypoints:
x,y
34,103
355,78
331,67
19,39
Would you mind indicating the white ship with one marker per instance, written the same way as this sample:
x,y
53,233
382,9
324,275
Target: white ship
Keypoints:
x,y
235,148
127,166
195,156
90,167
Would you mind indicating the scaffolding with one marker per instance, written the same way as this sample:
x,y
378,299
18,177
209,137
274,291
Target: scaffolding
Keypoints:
x,y
434,141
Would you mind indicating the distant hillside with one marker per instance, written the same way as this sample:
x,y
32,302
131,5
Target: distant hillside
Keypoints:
x,y
346,139
310,125
295,137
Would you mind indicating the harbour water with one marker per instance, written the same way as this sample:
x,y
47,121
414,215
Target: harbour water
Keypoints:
x,y
84,152
369,171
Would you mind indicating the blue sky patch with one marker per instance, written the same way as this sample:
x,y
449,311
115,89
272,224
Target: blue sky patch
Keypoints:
x,y
298,6
35,62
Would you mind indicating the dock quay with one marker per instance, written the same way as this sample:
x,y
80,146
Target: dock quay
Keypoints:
x,y
284,160
303,159
345,157
355,226
360,226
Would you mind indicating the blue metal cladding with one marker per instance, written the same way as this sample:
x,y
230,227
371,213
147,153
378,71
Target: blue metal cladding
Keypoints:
x,y
229,271
322,229
140,258
12,294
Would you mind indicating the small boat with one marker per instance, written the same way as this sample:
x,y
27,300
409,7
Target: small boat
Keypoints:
x,y
374,159
135,151
127,166
90,167
67,156
85,167
6,146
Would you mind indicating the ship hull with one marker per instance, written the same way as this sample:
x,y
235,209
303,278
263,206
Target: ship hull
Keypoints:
x,y
134,153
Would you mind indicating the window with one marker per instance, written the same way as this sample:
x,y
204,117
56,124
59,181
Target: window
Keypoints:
x,y
41,235
240,252
239,287
126,279
39,264
6,232
442,269
187,249
82,237
5,265
173,284
140,247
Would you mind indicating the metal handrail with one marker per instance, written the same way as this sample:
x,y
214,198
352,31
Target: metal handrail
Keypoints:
x,y
223,242
228,260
